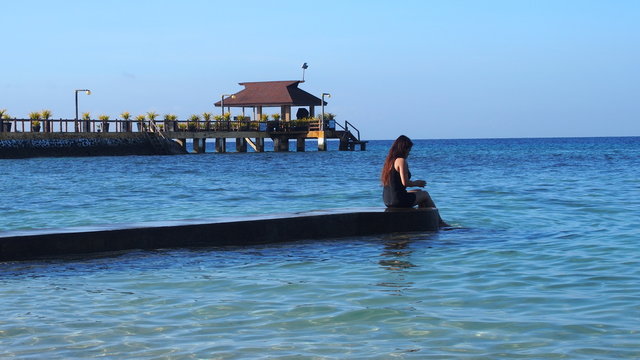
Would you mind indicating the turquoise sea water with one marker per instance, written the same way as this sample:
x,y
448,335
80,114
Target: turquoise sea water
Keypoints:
x,y
545,263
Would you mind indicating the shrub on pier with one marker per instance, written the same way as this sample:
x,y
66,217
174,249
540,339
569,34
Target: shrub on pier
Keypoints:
x,y
207,120
194,120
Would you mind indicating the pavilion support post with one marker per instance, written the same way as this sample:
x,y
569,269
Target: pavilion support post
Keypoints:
x,y
312,111
322,142
300,143
241,145
280,144
285,112
258,113
259,144
221,145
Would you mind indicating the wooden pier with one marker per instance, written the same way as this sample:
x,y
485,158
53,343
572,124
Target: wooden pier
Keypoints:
x,y
248,131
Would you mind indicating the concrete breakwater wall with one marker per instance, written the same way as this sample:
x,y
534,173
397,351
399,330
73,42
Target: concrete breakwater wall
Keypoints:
x,y
21,245
24,145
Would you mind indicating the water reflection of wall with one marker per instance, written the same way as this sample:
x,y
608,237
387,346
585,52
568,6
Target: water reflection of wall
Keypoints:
x,y
395,257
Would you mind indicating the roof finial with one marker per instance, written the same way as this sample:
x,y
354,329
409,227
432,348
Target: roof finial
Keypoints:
x,y
304,67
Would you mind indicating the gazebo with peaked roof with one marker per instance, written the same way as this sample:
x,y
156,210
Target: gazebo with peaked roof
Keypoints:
x,y
284,94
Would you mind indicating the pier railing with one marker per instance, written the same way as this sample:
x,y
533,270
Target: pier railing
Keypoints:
x,y
161,126
117,125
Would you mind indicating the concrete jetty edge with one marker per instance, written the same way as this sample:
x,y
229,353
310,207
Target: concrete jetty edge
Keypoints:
x,y
34,244
26,145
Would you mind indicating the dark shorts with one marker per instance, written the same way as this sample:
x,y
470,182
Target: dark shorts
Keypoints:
x,y
405,200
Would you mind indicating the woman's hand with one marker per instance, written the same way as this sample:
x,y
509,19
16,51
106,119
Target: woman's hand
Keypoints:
x,y
419,183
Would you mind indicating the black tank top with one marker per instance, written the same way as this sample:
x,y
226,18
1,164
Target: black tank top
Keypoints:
x,y
395,194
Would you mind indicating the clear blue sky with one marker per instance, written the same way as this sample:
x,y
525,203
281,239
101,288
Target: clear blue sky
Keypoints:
x,y
428,69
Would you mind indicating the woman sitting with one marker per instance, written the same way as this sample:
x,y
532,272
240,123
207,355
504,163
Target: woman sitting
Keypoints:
x,y
396,178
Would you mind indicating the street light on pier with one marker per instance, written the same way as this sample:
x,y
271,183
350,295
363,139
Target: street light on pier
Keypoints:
x,y
222,101
88,92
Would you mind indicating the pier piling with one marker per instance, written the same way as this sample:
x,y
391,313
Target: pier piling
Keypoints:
x,y
241,145
300,144
221,145
281,144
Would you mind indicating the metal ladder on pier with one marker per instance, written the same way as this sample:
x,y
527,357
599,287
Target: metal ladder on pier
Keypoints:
x,y
348,140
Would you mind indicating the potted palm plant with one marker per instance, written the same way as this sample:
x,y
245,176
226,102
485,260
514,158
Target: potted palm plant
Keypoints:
x,y
152,115
35,121
264,120
142,126
218,122
275,124
245,122
3,125
227,120
170,122
237,124
104,125
86,117
127,123
46,114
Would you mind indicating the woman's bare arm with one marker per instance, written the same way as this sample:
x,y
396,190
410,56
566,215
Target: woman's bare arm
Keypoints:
x,y
402,168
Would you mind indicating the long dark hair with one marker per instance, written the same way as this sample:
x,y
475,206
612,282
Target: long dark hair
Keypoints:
x,y
399,149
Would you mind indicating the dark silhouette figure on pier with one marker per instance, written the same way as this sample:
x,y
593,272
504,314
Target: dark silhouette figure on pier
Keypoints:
x,y
302,114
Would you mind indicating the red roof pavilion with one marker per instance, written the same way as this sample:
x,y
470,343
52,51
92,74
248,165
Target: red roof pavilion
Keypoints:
x,y
272,94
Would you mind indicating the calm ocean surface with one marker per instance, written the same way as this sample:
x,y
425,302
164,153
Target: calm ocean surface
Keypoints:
x,y
545,263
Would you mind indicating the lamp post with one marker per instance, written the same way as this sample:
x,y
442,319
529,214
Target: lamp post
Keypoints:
x,y
222,101
322,104
304,67
88,92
